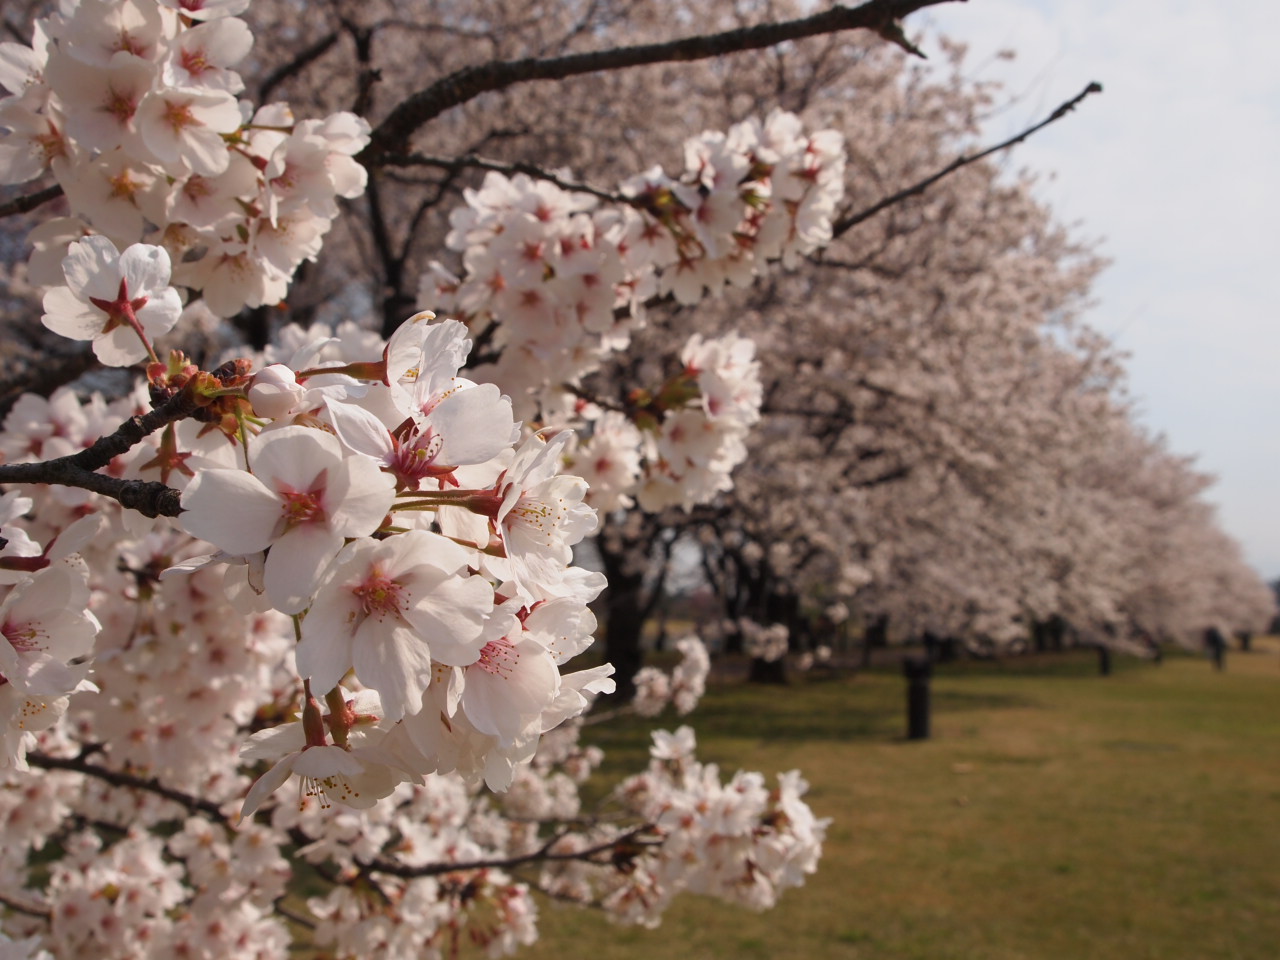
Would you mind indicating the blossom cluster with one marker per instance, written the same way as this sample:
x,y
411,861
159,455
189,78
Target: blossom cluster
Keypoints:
x,y
549,267
46,626
767,643
682,688
563,282
420,544
738,841
132,106
679,445
424,565
391,597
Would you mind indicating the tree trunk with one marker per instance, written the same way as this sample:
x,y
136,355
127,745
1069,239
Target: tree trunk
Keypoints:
x,y
768,671
624,624
625,552
876,634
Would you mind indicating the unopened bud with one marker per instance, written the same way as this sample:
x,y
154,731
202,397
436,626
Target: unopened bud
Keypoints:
x,y
313,723
274,391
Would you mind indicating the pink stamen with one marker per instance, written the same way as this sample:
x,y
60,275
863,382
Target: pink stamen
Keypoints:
x,y
499,658
305,506
380,596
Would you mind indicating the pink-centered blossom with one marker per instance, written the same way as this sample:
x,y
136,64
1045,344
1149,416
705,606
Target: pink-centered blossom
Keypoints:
x,y
303,499
390,608
44,624
542,513
107,289
183,128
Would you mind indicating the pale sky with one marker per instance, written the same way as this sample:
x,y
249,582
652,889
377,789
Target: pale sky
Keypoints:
x,y
1173,167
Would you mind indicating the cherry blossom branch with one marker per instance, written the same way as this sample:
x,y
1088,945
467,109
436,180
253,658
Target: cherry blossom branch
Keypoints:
x,y
380,865
118,778
846,223
31,910
28,202
304,59
543,853
393,134
452,165
293,917
150,498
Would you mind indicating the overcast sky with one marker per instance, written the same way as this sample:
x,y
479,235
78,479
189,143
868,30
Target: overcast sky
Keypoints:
x,y
1174,168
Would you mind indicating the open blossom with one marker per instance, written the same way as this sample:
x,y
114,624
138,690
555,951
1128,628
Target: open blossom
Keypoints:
x,y
330,773
609,461
390,608
183,128
432,422
108,293
44,624
31,144
542,514
511,683
302,500
204,54
101,101
353,773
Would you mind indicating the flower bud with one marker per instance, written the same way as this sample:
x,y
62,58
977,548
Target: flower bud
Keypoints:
x,y
274,391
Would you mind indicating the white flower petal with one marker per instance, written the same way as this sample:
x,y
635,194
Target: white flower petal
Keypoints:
x,y
231,509
294,565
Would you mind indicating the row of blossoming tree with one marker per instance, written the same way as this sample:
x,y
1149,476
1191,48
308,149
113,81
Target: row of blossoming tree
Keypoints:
x,y
945,448
306,545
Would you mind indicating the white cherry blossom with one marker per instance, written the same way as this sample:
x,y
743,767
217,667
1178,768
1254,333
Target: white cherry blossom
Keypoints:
x,y
114,299
303,498
391,609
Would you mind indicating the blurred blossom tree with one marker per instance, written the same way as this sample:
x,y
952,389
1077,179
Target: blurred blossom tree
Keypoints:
x,y
658,262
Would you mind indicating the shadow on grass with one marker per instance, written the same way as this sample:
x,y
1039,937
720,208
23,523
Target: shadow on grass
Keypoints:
x,y
871,708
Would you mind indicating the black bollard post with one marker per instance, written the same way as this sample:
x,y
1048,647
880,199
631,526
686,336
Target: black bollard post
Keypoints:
x,y
917,671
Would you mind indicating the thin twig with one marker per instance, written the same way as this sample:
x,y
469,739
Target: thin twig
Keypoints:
x,y
305,58
31,910
844,224
30,201
118,778
452,165
150,498
542,854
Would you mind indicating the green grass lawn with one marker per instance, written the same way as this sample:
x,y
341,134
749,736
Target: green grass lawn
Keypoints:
x,y
1054,814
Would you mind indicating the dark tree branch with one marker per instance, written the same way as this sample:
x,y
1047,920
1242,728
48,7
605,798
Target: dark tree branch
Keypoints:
x,y
30,201
304,59
363,37
118,778
30,909
452,165
150,498
299,919
846,223
393,134
542,854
